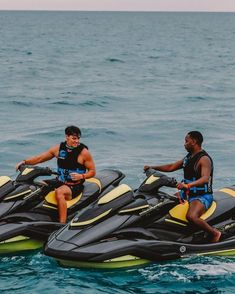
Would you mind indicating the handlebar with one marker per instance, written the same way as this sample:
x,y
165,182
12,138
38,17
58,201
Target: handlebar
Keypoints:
x,y
156,180
42,169
29,172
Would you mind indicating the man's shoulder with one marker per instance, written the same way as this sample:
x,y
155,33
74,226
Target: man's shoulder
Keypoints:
x,y
54,149
82,146
85,152
205,159
205,154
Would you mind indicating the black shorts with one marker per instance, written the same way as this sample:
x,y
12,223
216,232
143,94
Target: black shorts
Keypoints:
x,y
76,189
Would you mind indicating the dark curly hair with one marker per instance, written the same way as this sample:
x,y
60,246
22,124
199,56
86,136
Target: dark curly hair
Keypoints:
x,y
73,131
197,136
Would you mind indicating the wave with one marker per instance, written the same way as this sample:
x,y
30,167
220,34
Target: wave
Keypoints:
x,y
153,57
115,60
197,98
21,103
83,104
94,103
199,272
94,132
62,103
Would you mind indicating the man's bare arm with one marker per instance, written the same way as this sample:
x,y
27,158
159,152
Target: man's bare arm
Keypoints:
x,y
167,167
89,164
45,156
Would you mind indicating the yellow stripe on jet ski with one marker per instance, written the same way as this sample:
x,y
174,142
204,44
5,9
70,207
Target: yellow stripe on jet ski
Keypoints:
x,y
27,171
49,206
228,191
151,179
96,181
134,208
4,180
225,252
19,244
73,201
122,258
15,239
90,221
19,194
175,222
104,265
209,211
115,193
50,198
180,211
33,193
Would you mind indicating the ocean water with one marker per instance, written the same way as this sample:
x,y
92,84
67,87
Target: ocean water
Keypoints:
x,y
135,83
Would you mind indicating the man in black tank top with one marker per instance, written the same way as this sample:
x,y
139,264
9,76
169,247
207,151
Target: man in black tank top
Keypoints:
x,y
197,183
75,164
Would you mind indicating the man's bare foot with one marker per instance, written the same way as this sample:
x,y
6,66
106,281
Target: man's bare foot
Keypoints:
x,y
216,238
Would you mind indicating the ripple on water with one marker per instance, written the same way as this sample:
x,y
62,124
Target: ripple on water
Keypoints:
x,y
198,274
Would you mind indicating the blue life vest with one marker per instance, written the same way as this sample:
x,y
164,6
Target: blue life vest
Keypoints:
x,y
67,162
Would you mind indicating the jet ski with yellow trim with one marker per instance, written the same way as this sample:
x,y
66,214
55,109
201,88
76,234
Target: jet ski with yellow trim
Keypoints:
x,y
154,237
29,229
118,209
26,191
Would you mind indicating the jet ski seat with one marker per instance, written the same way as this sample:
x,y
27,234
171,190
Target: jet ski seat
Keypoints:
x,y
180,211
51,199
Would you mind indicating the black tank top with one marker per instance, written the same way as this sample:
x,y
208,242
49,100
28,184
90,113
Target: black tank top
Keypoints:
x,y
67,162
192,173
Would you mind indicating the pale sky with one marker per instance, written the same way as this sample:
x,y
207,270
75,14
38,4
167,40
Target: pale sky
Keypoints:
x,y
122,5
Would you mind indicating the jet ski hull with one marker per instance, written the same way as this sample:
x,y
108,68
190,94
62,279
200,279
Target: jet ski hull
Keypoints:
x,y
127,253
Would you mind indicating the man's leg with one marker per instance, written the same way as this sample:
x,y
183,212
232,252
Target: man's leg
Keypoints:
x,y
196,209
63,193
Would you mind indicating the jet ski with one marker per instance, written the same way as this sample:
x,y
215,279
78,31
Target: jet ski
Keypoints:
x,y
150,239
28,229
117,209
25,191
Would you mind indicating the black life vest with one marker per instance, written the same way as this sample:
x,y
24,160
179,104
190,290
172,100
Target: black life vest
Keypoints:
x,y
192,173
67,162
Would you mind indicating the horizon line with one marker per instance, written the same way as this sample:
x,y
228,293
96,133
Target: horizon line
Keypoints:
x,y
90,10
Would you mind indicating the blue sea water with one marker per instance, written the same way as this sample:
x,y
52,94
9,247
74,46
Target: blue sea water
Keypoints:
x,y
135,83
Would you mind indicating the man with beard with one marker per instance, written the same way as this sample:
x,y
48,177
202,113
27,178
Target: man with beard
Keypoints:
x,y
197,184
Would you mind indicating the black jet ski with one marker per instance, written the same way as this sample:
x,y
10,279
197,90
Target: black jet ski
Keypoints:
x,y
117,209
28,229
151,238
26,191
